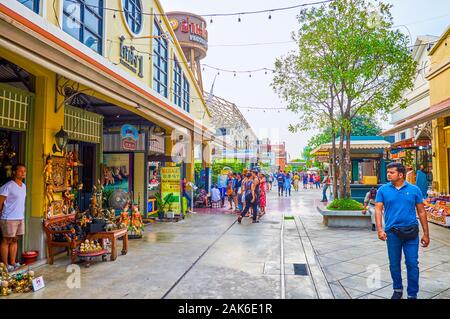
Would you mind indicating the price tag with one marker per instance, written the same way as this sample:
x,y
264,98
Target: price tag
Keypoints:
x,y
38,283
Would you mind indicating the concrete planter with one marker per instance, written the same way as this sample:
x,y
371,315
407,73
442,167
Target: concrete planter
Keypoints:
x,y
345,218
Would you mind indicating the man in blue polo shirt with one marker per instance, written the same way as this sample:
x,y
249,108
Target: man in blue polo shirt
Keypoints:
x,y
400,200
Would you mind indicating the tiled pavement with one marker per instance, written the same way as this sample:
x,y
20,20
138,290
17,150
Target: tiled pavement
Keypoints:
x,y
209,256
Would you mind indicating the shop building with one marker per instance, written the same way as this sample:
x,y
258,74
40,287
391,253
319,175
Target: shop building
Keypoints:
x,y
412,143
109,81
439,112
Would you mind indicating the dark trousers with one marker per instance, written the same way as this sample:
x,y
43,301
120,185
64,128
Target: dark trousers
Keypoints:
x,y
280,189
248,205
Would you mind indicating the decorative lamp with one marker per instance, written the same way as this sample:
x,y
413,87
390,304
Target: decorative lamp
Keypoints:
x,y
61,139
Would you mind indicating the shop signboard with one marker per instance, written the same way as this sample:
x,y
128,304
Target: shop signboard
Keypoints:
x,y
115,173
171,183
129,135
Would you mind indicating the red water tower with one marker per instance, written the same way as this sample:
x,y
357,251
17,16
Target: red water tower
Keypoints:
x,y
192,35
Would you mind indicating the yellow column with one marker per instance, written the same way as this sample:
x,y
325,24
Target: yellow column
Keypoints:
x,y
440,161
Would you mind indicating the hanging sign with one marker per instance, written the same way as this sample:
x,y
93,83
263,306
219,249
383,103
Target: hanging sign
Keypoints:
x,y
129,135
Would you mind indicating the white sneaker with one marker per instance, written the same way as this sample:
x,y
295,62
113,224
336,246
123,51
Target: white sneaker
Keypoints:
x,y
10,268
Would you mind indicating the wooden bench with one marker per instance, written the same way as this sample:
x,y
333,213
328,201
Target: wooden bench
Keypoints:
x,y
66,237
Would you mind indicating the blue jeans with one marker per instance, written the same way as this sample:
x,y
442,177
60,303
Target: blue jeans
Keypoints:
x,y
410,248
188,198
324,192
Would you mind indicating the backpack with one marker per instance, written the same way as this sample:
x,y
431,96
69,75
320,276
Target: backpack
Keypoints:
x,y
280,179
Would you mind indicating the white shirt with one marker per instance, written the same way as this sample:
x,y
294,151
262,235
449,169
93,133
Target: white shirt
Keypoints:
x,y
215,195
14,205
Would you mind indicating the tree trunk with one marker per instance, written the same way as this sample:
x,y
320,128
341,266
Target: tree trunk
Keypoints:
x,y
348,166
342,171
333,162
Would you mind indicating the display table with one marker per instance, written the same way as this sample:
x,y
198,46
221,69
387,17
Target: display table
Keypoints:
x,y
438,213
112,236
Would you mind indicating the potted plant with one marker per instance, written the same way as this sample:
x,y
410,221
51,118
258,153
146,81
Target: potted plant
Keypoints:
x,y
163,203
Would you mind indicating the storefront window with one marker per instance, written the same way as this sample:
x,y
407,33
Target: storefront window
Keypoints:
x,y
177,84
160,56
83,20
185,94
133,14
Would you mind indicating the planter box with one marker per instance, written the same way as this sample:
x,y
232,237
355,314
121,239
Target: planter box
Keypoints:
x,y
343,218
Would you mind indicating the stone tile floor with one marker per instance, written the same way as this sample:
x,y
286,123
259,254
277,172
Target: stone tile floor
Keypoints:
x,y
210,256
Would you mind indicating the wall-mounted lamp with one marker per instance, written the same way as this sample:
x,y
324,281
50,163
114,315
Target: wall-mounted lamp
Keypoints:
x,y
61,139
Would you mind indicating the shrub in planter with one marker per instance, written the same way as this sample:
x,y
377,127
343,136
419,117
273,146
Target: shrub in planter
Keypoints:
x,y
345,204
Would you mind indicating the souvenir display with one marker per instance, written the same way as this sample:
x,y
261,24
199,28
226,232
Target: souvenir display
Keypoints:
x,y
90,247
16,283
438,210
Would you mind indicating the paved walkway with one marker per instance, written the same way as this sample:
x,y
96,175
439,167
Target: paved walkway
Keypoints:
x,y
289,254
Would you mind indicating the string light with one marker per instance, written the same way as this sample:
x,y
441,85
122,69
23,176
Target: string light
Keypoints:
x,y
270,16
239,19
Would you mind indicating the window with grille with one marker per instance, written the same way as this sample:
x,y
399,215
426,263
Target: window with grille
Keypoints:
x,y
177,76
186,95
160,57
83,20
133,14
31,4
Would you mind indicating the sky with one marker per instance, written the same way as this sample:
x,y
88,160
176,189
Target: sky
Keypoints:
x,y
420,17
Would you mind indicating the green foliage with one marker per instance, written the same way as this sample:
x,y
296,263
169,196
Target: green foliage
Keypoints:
x,y
350,61
345,204
218,164
162,203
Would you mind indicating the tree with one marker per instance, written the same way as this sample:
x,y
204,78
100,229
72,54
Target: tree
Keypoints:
x,y
350,62
362,125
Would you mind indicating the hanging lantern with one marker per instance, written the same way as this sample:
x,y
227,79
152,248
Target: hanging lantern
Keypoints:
x,y
61,139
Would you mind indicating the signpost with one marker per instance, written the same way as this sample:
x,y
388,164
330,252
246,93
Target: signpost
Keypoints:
x,y
171,183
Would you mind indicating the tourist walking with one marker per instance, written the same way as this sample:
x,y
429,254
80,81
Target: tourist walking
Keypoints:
x,y
311,180
296,180
326,183
262,195
269,181
400,200
250,198
317,180
422,181
12,215
280,181
287,184
237,191
230,190
305,180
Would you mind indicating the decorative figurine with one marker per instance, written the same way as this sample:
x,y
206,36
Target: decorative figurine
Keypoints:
x,y
136,221
48,170
4,290
124,218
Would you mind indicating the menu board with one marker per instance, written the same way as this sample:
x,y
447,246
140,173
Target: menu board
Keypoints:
x,y
171,183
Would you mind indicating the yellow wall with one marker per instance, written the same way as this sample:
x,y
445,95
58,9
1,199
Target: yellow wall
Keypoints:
x,y
439,78
116,27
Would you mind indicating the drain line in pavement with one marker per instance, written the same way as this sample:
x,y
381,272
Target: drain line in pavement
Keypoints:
x,y
282,273
318,261
196,261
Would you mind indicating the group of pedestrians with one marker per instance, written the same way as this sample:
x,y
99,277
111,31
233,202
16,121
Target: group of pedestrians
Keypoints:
x,y
286,181
248,193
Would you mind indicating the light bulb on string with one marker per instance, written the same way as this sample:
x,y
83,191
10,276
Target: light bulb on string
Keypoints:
x,y
250,75
270,15
114,15
239,19
235,74
211,21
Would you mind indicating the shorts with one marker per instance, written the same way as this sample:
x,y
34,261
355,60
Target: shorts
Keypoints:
x,y
12,228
